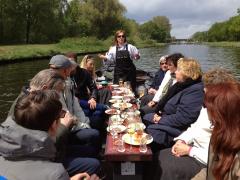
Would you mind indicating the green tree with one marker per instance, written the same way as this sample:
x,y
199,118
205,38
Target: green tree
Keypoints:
x,y
157,29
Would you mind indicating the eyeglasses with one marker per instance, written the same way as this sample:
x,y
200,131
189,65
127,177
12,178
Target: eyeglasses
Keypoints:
x,y
121,36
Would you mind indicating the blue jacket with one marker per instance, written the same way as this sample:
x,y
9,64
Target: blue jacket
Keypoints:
x,y
181,110
157,80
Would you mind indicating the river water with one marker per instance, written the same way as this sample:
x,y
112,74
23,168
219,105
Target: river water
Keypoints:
x,y
14,76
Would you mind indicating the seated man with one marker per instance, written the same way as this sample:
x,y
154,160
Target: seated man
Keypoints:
x,y
27,141
156,82
73,157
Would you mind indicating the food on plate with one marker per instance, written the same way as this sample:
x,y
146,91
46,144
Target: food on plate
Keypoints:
x,y
112,111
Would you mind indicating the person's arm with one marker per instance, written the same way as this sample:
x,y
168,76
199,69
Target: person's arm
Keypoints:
x,y
134,53
158,94
202,124
187,110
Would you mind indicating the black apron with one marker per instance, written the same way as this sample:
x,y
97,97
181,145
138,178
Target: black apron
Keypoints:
x,y
124,69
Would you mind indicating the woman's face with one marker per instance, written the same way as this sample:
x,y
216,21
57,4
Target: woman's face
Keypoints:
x,y
121,38
179,75
171,66
90,65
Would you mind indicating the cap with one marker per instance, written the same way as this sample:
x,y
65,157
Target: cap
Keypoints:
x,y
60,61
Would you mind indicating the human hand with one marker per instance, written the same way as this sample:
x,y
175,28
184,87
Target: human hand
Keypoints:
x,y
136,56
101,56
156,118
151,104
152,91
81,176
94,177
68,120
92,103
180,149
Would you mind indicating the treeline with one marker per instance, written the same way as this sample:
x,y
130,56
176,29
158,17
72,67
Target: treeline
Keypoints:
x,y
49,21
222,31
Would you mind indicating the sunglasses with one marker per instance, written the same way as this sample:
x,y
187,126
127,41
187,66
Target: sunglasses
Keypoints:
x,y
121,36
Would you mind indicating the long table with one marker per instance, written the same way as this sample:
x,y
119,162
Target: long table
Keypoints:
x,y
127,164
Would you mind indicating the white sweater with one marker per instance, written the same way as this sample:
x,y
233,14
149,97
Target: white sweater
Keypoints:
x,y
165,80
198,134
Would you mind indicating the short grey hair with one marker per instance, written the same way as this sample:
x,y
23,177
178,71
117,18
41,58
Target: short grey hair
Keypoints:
x,y
218,75
47,77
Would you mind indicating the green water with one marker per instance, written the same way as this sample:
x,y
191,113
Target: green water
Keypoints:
x,y
14,76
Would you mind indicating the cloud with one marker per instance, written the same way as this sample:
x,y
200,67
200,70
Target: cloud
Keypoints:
x,y
186,17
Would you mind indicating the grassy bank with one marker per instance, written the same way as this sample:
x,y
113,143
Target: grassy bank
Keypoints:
x,y
224,44
79,45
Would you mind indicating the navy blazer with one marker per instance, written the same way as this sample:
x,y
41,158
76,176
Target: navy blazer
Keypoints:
x,y
181,110
157,80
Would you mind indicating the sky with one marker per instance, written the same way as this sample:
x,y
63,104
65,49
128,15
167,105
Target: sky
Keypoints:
x,y
185,16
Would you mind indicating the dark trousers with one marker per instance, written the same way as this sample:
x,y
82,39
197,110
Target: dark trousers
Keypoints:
x,y
96,116
175,168
75,165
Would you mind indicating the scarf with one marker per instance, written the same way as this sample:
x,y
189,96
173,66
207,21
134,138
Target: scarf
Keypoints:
x,y
173,90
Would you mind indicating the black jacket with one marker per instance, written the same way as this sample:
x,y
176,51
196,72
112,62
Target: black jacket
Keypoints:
x,y
82,82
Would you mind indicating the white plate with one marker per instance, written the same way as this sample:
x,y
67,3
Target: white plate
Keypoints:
x,y
115,85
113,101
121,127
133,141
116,119
118,105
136,125
117,97
112,111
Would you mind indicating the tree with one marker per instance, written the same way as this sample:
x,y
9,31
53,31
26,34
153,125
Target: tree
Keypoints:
x,y
157,29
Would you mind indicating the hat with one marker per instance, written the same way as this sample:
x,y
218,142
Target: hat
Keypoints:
x,y
163,58
60,61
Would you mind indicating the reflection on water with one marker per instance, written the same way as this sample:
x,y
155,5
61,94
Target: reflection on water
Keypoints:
x,y
14,76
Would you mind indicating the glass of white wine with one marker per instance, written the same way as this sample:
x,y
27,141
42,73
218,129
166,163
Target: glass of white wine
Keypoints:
x,y
131,131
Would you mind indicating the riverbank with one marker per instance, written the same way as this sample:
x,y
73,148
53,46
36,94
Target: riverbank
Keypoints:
x,y
224,44
18,53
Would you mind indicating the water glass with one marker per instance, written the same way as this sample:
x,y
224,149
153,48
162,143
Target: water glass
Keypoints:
x,y
141,91
143,145
120,145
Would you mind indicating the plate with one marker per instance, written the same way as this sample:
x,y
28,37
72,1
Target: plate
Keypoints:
x,y
116,119
135,141
123,105
115,85
113,101
117,97
120,127
137,125
112,111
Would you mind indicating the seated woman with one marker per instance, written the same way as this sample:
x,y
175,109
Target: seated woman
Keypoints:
x,y
27,141
85,90
179,108
222,102
189,154
103,94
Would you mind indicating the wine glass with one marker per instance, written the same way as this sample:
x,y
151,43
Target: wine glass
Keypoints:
x,y
131,131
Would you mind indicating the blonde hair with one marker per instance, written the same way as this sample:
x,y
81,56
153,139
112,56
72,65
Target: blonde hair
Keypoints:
x,y
190,68
116,35
84,62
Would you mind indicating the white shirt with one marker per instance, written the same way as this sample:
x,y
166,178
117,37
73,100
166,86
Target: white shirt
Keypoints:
x,y
165,80
199,133
111,54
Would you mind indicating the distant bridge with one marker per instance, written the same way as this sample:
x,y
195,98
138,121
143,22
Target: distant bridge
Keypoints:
x,y
182,41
